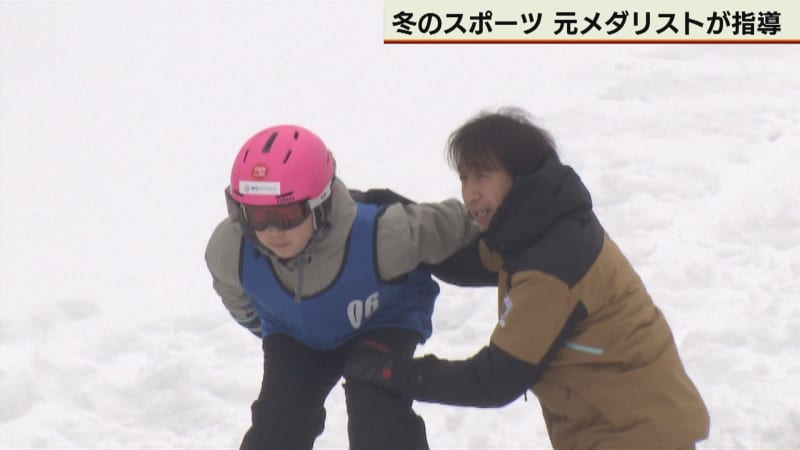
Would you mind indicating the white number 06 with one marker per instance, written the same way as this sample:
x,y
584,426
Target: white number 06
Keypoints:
x,y
358,309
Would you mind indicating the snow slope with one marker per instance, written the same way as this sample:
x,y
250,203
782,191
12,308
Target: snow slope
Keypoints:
x,y
118,123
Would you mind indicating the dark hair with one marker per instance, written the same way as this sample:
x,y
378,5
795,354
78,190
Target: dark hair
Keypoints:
x,y
506,138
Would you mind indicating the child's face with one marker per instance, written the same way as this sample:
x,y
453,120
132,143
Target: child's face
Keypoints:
x,y
483,190
287,243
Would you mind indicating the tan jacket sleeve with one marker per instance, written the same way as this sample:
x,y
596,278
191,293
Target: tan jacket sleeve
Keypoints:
x,y
222,259
411,234
533,314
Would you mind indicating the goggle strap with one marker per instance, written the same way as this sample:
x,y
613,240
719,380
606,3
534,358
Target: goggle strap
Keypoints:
x,y
316,215
314,202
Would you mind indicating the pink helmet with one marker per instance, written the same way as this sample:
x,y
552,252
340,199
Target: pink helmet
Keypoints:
x,y
282,164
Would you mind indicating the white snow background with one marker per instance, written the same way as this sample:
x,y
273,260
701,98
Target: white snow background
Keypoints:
x,y
120,121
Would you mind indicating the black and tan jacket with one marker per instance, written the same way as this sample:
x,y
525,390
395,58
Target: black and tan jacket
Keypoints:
x,y
576,326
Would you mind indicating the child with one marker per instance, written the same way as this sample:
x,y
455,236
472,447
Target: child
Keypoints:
x,y
576,325
301,264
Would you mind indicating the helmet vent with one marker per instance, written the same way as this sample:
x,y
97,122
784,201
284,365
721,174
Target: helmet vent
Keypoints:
x,y
288,154
296,134
268,145
244,158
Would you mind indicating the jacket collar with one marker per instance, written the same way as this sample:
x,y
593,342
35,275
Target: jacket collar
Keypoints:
x,y
534,204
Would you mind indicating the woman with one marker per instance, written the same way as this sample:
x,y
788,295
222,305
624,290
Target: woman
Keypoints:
x,y
576,325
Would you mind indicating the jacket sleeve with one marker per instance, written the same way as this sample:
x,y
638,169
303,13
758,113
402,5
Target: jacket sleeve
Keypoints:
x,y
536,316
222,260
464,268
490,378
536,319
414,233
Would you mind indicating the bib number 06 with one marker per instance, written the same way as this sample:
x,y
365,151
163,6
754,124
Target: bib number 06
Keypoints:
x,y
358,310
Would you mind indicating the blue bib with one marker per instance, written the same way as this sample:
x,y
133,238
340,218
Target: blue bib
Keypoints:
x,y
355,301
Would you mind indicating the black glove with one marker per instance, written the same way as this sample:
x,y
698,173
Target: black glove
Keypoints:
x,y
371,363
378,197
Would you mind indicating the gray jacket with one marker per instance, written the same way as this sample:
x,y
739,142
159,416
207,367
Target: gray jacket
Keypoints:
x,y
407,235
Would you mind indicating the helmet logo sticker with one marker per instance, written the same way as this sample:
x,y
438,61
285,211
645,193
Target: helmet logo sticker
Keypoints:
x,y
259,187
259,171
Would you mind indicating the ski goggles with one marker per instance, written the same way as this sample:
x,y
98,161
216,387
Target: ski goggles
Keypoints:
x,y
283,217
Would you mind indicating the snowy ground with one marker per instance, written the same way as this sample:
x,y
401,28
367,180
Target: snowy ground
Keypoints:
x,y
118,125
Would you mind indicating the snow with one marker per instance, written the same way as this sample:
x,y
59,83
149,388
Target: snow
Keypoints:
x,y
119,124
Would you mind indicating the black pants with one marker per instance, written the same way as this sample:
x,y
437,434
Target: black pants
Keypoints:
x,y
289,412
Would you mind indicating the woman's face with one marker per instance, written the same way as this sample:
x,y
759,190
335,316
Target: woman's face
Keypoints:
x,y
483,190
287,243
